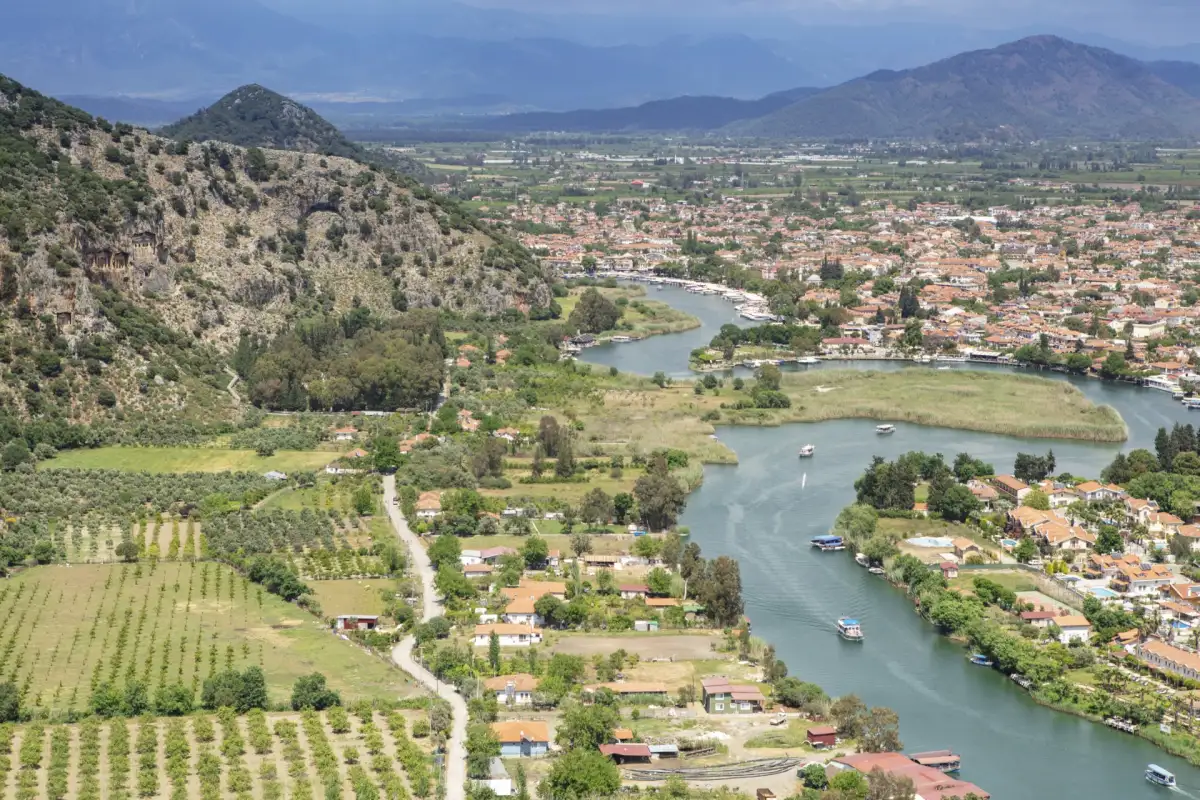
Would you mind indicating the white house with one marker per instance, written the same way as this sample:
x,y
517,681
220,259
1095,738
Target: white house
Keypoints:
x,y
429,505
1073,628
521,611
510,635
514,690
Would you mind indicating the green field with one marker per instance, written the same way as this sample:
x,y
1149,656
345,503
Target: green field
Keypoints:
x,y
166,623
187,459
361,596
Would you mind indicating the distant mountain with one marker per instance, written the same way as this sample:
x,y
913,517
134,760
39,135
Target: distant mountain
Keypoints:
x,y
254,116
675,114
1183,74
1039,87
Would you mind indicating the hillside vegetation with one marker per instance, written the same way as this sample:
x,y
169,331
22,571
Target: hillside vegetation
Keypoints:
x,y
131,266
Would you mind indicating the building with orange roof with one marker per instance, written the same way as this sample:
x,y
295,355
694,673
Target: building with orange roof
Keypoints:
x,y
513,690
1170,659
522,738
510,635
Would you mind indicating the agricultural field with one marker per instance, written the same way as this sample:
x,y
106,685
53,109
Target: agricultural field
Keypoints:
x,y
188,459
352,596
298,755
165,623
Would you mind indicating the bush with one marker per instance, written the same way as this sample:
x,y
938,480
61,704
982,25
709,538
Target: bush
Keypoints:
x,y
420,729
310,691
174,700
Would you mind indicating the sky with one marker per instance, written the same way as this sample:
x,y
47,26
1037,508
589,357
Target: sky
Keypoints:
x,y
1152,22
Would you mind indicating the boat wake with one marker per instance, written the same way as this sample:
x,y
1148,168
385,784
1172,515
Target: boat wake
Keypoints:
x,y
1184,792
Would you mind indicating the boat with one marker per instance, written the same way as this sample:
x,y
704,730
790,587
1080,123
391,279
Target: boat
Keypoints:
x,y
621,339
808,360
1156,774
980,660
943,760
829,542
924,359
807,451
885,429
875,570
1191,403
1021,680
942,369
849,629
860,559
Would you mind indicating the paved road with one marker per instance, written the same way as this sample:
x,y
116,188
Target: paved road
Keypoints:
x,y
456,747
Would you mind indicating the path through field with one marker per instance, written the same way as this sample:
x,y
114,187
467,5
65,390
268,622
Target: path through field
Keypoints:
x,y
456,749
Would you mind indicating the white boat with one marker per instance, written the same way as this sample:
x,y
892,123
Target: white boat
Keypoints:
x,y
849,629
1156,774
943,369
885,429
860,559
875,570
924,359
1162,383
808,360
807,451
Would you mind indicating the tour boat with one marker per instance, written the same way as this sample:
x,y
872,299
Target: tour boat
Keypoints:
x,y
1156,774
885,429
849,629
807,451
980,660
1191,403
829,542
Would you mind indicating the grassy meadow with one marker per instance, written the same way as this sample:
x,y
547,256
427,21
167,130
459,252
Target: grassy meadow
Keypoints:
x,y
165,623
187,459
1012,405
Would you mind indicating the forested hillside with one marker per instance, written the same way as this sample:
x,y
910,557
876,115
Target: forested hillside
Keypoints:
x,y
132,266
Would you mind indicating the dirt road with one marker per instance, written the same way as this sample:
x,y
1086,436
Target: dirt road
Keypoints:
x,y
456,747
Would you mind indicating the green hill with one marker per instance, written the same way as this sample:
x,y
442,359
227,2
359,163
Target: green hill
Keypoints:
x,y
132,267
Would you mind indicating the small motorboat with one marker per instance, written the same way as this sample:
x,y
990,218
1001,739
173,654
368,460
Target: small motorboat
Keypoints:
x,y
829,542
808,360
808,451
885,429
1156,774
980,660
875,570
849,629
861,559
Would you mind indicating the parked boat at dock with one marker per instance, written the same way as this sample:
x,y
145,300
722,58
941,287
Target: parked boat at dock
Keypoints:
x,y
849,629
808,360
943,760
829,542
980,660
861,560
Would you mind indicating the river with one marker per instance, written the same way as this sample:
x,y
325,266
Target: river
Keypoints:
x,y
763,512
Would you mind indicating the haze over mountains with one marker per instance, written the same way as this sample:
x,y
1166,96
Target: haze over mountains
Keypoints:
x,y
462,58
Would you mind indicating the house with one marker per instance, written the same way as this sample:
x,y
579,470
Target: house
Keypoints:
x,y
477,570
1065,537
627,753
1038,619
1095,492
1142,580
520,611
347,434
510,635
965,547
620,735
1191,535
719,696
522,738
594,561
429,505
1184,593
1060,496
1167,658
1010,488
1102,565
662,602
356,622
536,589
929,783
1073,628
1163,523
821,736
985,494
512,690
631,591
508,434
949,570
498,779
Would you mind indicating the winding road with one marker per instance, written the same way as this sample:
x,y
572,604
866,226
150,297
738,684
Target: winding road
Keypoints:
x,y
402,654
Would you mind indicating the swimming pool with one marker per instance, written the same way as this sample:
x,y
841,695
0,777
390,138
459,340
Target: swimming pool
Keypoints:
x,y
1008,544
930,541
1102,593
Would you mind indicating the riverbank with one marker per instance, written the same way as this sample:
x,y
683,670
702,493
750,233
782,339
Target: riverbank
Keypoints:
x,y
1003,403
641,317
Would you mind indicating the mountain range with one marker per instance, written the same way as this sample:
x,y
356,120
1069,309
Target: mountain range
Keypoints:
x,y
1037,87
465,58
